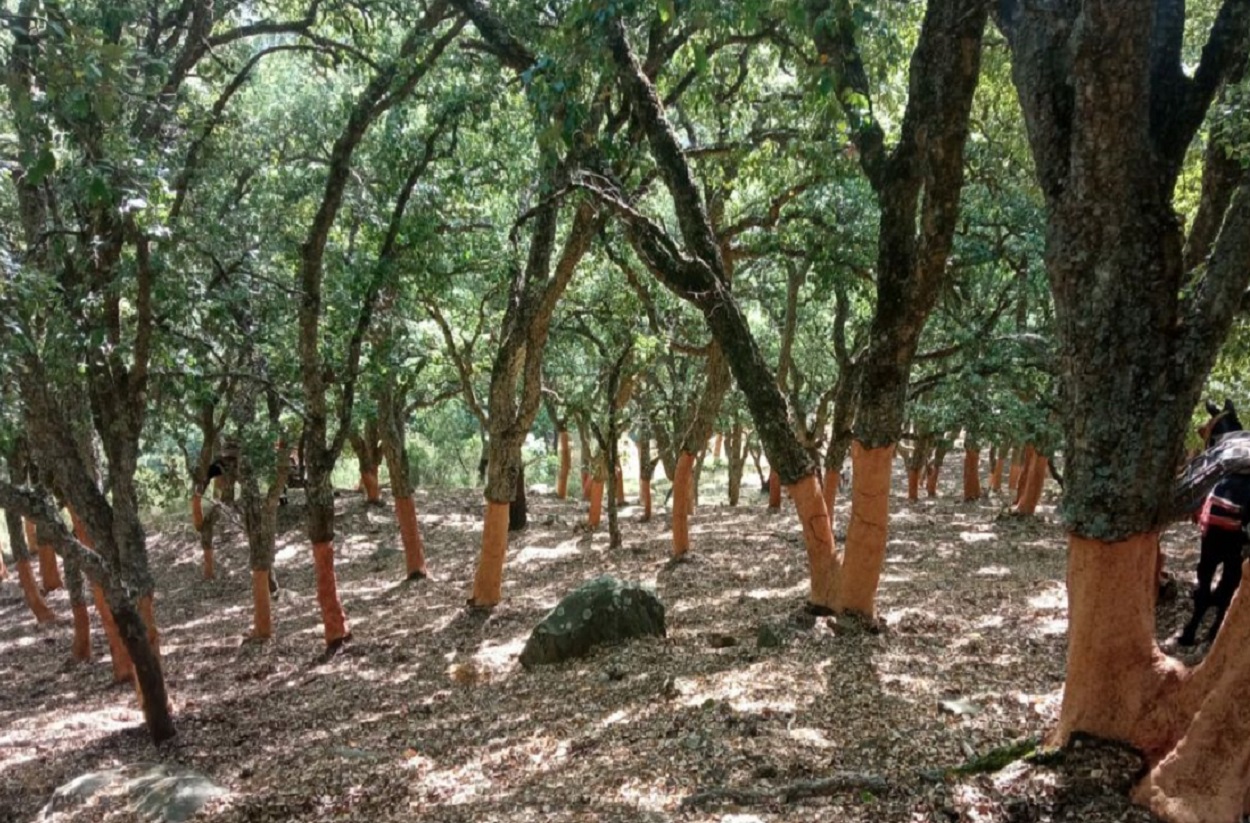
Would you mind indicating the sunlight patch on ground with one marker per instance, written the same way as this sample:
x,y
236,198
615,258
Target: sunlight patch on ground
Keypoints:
x,y
993,571
774,594
15,740
756,688
215,618
644,796
498,656
812,737
1053,597
976,537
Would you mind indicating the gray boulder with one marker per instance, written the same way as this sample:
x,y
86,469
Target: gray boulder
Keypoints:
x,y
602,611
155,792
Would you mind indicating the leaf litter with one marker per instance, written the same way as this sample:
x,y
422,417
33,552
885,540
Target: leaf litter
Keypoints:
x,y
750,710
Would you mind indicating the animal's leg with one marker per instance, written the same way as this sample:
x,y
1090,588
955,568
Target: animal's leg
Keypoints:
x,y
1207,565
1230,578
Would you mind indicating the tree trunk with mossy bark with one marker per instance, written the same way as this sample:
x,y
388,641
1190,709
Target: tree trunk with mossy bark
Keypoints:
x,y
1111,113
917,184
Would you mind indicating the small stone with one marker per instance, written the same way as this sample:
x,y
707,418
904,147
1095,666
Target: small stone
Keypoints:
x,y
721,641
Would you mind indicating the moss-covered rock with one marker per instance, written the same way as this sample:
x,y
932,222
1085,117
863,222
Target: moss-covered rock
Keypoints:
x,y
604,610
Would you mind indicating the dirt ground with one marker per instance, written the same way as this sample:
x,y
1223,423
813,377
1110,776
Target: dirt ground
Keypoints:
x,y
427,716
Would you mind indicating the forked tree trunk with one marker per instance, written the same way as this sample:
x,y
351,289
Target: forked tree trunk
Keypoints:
x,y
566,465
25,571
972,474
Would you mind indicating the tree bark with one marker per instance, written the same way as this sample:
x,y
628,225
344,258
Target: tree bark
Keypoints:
x,y
1034,480
566,465
683,497
972,474
25,572
774,491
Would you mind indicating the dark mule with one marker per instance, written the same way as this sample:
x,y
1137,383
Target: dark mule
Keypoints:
x,y
1223,519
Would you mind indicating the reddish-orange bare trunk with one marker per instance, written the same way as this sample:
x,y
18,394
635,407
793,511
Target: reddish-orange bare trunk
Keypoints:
x,y
822,560
49,572
867,533
80,650
372,489
596,503
585,485
1034,481
972,475
410,535
197,512
774,491
30,590
913,485
931,481
644,496
717,445
1119,685
1026,466
833,480
147,610
683,497
566,465
996,475
488,581
123,668
262,612
333,618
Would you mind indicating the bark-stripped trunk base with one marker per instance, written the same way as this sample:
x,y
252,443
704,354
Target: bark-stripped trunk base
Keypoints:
x,y
1019,481
833,480
333,618
996,476
931,481
822,560
644,498
1031,488
147,611
867,532
774,492
488,581
197,512
372,489
1206,775
123,669
81,648
566,465
210,563
682,499
410,535
30,590
913,484
262,610
49,572
595,515
972,475
585,486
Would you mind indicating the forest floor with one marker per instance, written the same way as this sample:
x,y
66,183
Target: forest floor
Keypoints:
x,y
427,715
